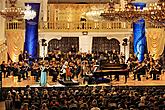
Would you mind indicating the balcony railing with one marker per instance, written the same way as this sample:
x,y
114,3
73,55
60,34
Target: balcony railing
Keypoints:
x,y
80,26
72,26
77,26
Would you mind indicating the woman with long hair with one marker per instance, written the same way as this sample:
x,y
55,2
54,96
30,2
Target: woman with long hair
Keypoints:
x,y
43,79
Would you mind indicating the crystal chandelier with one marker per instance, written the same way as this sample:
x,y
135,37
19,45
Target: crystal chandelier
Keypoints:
x,y
15,13
29,13
153,13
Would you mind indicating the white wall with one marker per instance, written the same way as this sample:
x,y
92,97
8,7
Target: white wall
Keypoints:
x,y
85,41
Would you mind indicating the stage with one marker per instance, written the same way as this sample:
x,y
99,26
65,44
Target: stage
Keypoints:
x,y
12,82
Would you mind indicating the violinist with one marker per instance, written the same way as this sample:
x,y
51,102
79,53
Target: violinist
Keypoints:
x,y
16,71
69,70
153,70
44,69
53,70
158,68
9,68
27,68
36,71
78,68
72,67
63,70
22,70
139,70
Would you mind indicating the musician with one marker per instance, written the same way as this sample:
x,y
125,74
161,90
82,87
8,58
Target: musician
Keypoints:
x,y
85,70
63,71
16,71
36,71
139,70
53,70
72,68
22,70
3,68
78,55
73,49
78,68
115,57
68,71
21,56
153,70
158,68
122,58
27,68
43,79
101,61
89,56
26,56
9,68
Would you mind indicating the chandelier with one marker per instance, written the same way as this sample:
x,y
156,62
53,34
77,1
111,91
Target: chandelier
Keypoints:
x,y
15,13
153,13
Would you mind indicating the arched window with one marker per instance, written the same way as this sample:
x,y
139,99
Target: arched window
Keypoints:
x,y
100,44
64,44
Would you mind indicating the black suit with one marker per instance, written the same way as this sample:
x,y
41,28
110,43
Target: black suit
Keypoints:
x,y
3,68
21,58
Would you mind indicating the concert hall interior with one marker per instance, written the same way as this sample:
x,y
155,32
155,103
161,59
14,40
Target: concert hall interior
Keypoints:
x,y
82,54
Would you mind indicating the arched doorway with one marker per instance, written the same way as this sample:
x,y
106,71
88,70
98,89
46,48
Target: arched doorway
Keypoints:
x,y
64,44
100,44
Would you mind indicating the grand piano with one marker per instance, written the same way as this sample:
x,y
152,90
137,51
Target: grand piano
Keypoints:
x,y
106,69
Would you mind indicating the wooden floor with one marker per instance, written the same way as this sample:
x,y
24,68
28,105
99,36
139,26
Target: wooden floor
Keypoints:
x,y
2,105
12,82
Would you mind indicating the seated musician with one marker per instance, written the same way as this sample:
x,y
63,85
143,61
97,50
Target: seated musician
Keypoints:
x,y
8,68
72,67
27,69
139,70
115,57
22,69
53,70
85,71
36,71
153,70
16,71
158,68
78,68
69,71
63,70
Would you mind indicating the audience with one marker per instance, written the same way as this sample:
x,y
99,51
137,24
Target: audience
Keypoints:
x,y
87,98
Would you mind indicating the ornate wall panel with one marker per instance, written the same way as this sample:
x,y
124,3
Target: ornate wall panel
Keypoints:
x,y
64,44
70,12
100,44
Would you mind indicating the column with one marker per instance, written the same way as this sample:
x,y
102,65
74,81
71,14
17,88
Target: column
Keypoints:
x,y
40,48
45,9
122,5
85,43
2,23
46,49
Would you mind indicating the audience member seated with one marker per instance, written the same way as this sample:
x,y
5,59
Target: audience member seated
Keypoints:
x,y
86,98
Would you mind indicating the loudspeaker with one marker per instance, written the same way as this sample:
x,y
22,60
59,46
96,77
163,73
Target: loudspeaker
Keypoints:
x,y
43,42
125,42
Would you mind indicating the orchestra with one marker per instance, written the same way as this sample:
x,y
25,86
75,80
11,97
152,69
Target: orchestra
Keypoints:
x,y
79,65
